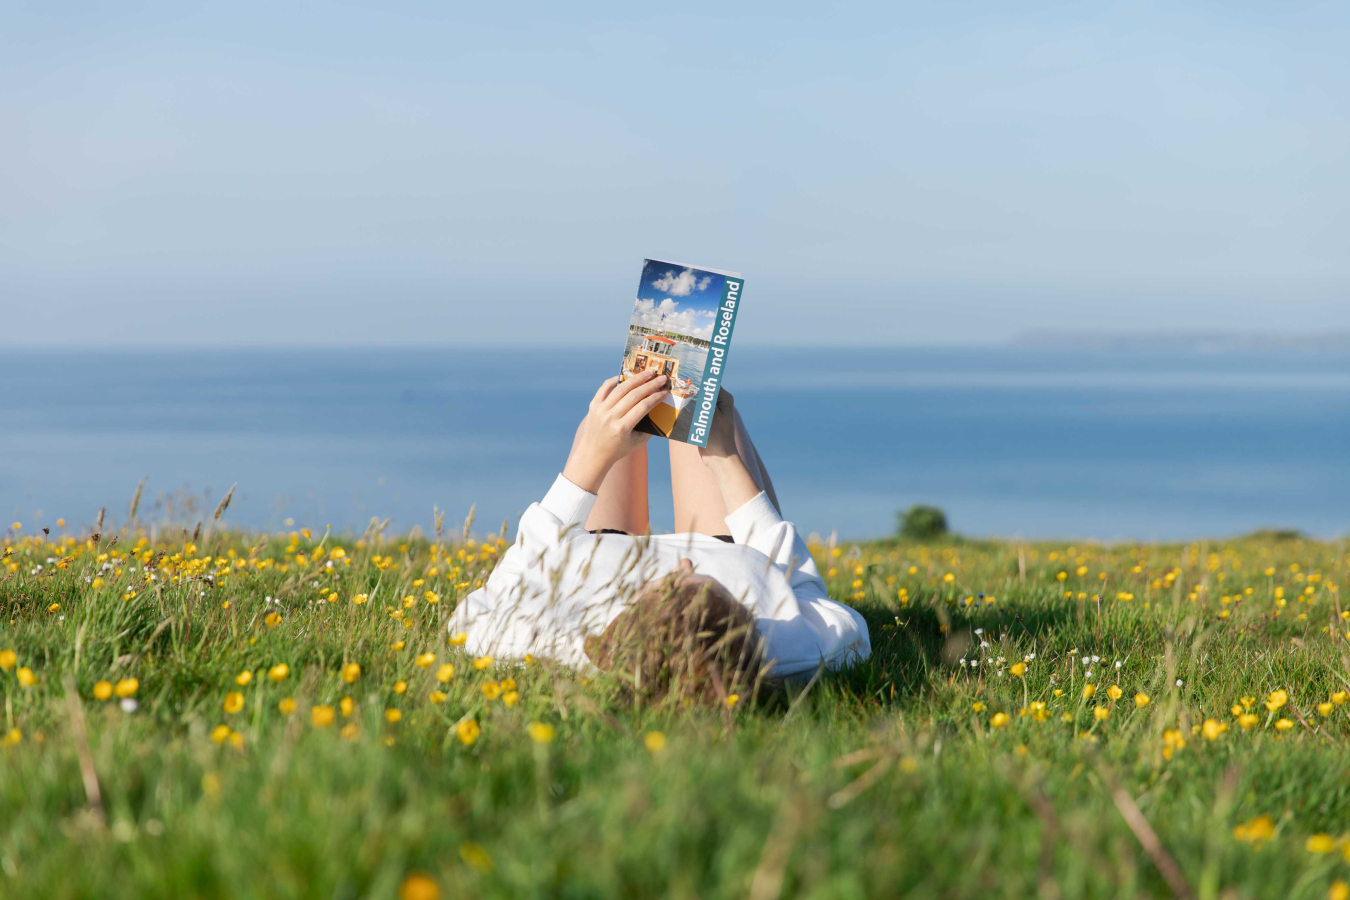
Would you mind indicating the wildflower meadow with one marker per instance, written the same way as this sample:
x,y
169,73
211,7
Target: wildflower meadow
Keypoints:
x,y
209,713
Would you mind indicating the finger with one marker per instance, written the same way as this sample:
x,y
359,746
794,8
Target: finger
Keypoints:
x,y
627,386
640,393
605,387
646,405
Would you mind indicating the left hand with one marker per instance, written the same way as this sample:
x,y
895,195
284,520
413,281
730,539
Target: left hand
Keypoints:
x,y
722,438
606,434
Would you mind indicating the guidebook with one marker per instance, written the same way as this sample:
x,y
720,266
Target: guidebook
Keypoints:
x,y
681,326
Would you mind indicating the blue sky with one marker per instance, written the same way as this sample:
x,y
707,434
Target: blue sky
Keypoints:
x,y
302,173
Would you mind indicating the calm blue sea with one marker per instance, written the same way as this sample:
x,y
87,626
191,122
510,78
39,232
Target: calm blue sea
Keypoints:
x,y
1011,442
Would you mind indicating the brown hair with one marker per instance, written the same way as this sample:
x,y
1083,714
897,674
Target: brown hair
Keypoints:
x,y
681,639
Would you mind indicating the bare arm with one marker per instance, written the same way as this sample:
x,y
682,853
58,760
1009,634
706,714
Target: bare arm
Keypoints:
x,y
606,434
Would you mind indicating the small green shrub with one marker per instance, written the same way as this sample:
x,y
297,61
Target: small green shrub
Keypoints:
x,y
923,523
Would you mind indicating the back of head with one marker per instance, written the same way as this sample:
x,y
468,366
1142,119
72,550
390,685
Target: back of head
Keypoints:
x,y
683,638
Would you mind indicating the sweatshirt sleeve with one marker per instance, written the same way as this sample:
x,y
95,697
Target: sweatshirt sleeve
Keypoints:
x,y
756,523
539,545
567,503
824,632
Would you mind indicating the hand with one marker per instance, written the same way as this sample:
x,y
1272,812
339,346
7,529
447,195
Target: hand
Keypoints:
x,y
606,434
722,438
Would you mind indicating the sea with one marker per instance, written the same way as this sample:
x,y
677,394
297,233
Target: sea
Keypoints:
x,y
1017,442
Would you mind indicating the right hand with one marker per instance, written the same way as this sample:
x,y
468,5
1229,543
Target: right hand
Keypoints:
x,y
606,434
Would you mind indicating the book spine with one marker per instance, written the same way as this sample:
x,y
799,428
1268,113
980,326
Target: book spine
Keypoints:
x,y
718,348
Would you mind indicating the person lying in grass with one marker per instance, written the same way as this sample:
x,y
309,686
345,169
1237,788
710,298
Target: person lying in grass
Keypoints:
x,y
731,596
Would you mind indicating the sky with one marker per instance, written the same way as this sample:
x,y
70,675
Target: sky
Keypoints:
x,y
435,173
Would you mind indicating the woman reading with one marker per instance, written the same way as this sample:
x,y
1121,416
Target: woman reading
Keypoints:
x,y
730,596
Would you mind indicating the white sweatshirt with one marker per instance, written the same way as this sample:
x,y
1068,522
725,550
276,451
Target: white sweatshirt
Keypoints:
x,y
558,583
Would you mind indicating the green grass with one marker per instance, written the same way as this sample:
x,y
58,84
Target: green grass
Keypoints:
x,y
883,780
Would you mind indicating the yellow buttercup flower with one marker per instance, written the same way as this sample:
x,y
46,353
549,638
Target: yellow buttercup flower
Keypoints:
x,y
1114,692
654,741
1100,712
8,659
999,719
1018,668
127,687
1213,728
220,734
459,638
482,662
103,690
419,886
393,715
26,676
279,672
436,696
1276,700
492,690
1089,690
243,678
1248,720
1283,724
322,716
540,732
510,698
273,619
1320,843
1262,828
287,706
234,701
347,705
445,673
351,672
467,731
425,660
977,706
1141,700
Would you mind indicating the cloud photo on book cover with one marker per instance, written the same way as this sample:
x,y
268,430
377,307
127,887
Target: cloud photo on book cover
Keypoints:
x,y
681,325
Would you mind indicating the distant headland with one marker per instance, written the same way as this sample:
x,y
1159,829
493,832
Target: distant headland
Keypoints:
x,y
1194,341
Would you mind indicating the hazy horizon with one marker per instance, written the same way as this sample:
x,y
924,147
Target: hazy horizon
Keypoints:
x,y
1310,341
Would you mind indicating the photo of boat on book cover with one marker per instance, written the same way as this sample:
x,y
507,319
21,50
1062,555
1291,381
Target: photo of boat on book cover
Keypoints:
x,y
682,325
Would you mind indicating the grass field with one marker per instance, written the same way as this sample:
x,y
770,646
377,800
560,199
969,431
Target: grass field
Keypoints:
x,y
285,716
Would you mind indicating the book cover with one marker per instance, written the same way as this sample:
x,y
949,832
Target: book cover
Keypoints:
x,y
682,326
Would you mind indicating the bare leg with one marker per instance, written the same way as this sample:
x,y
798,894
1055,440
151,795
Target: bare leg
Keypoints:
x,y
698,502
622,499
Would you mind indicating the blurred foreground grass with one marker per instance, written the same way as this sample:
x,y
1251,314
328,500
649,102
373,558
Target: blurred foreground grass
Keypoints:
x,y
285,715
